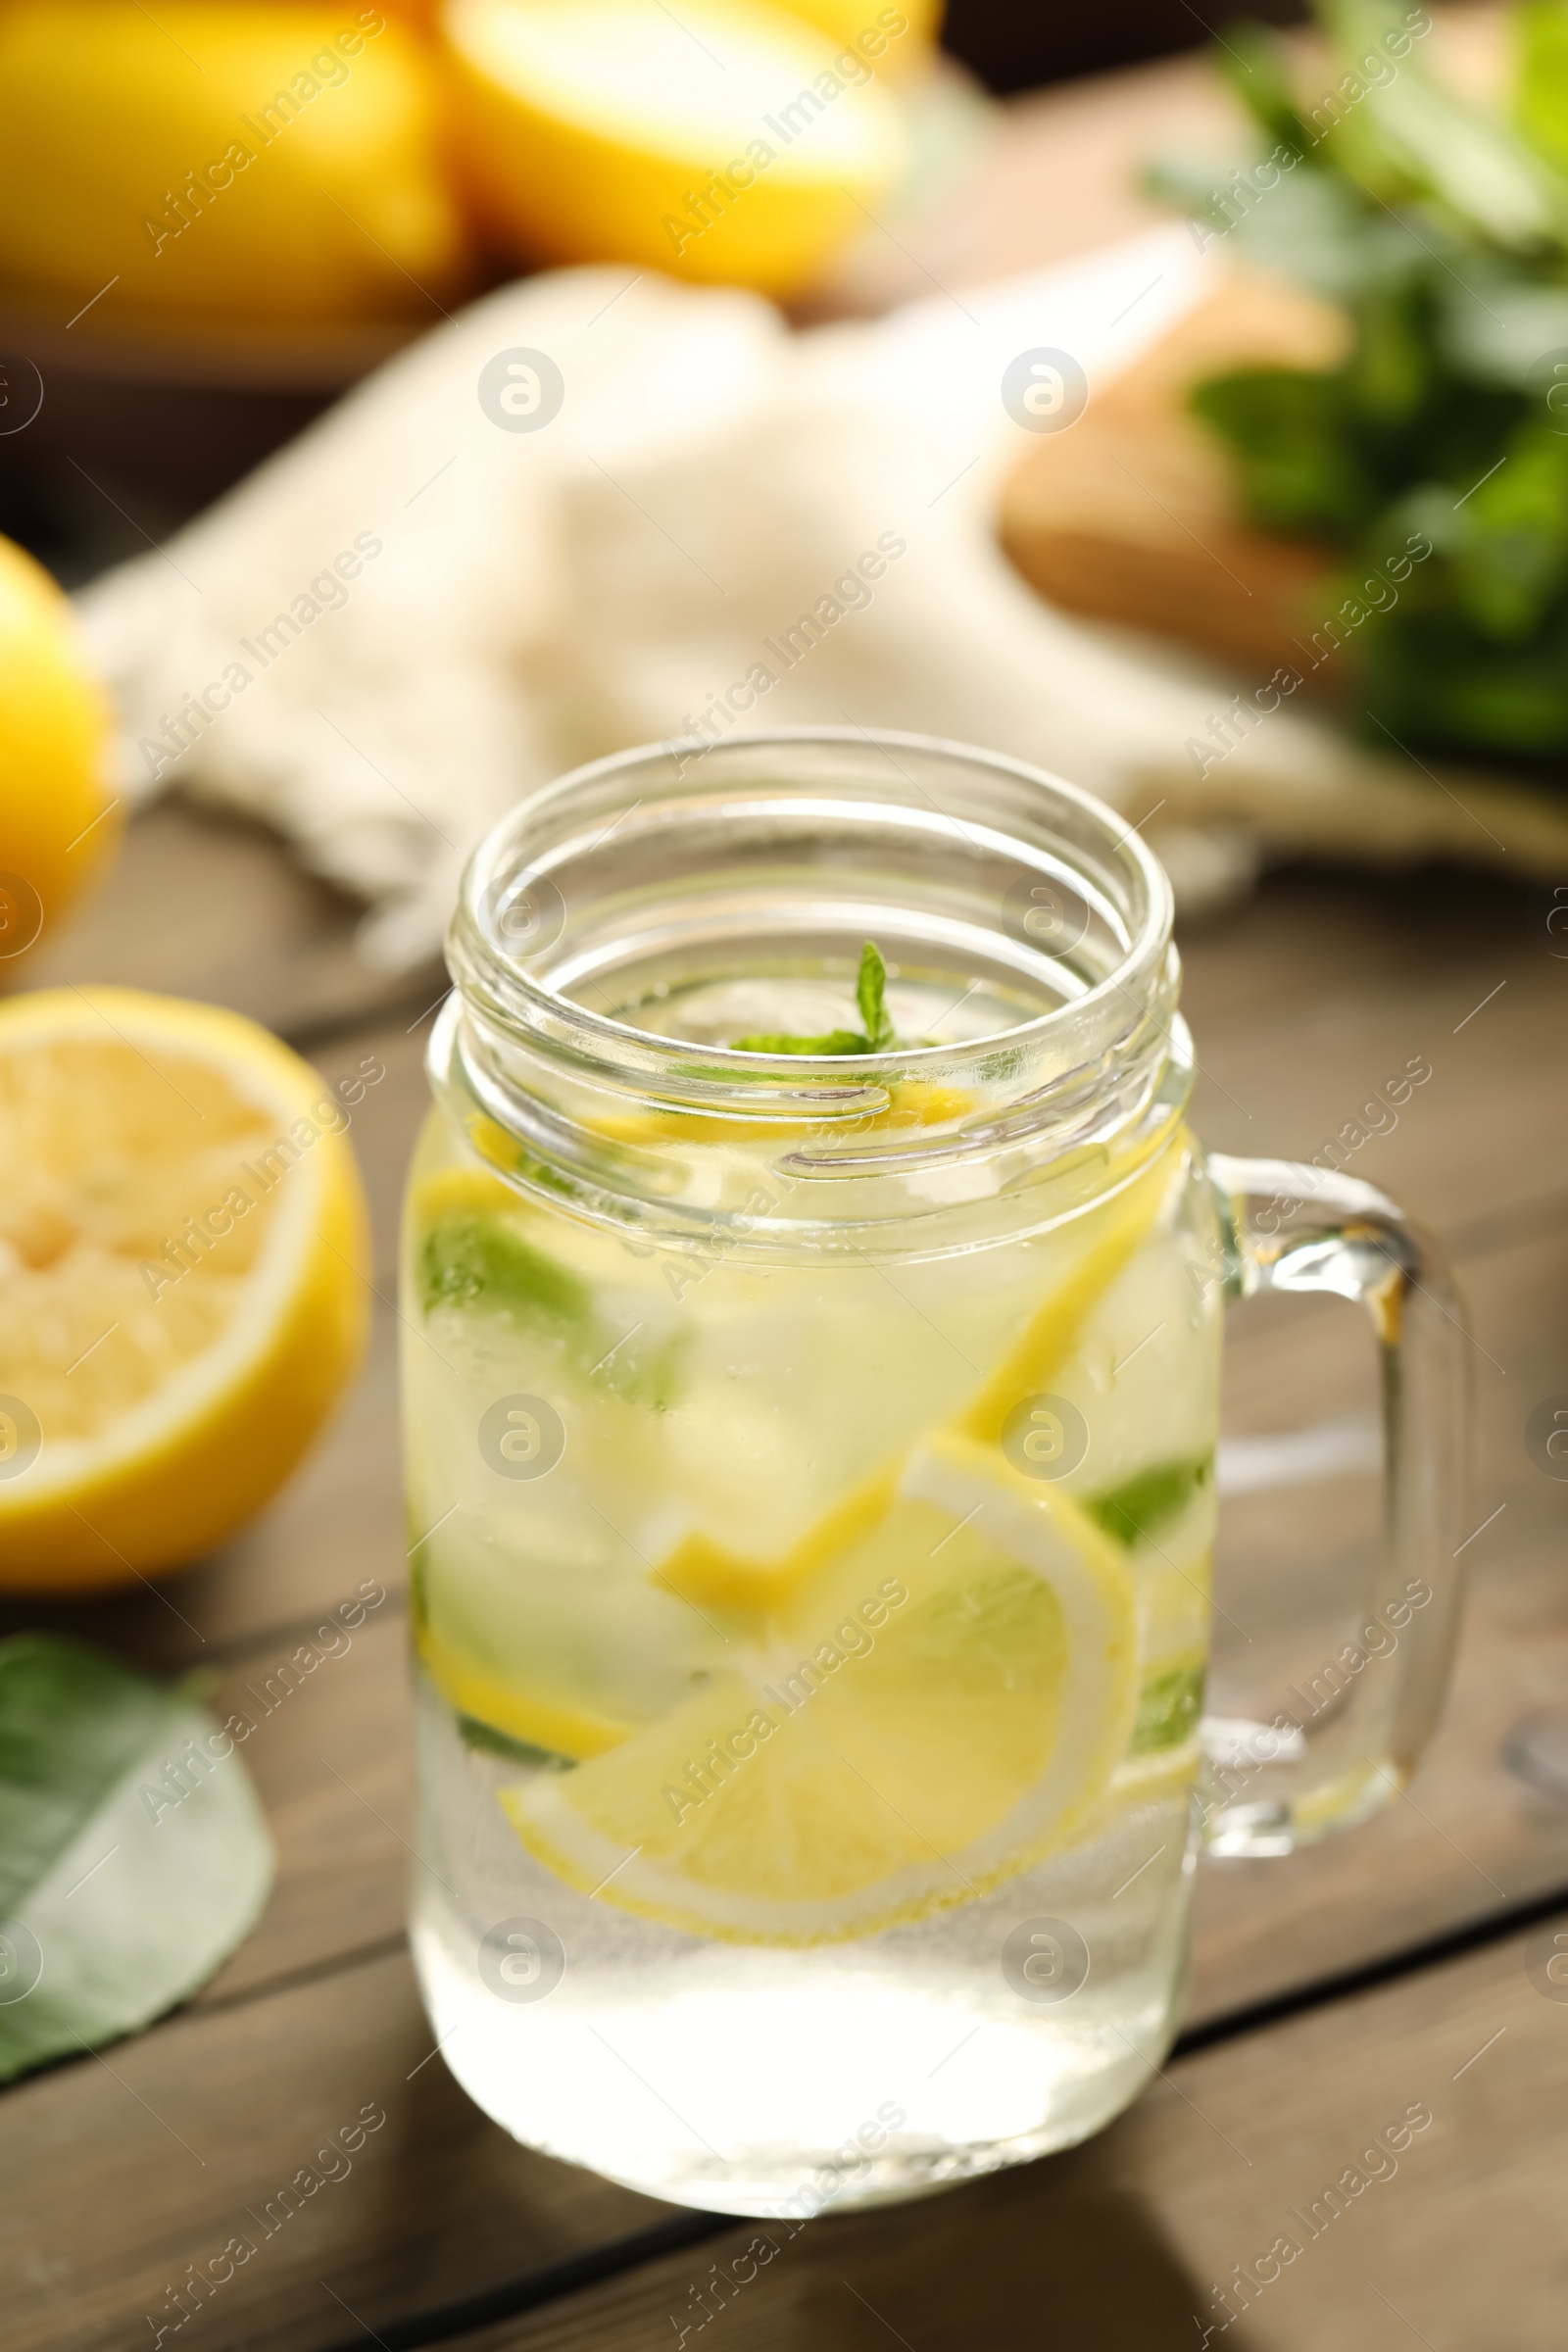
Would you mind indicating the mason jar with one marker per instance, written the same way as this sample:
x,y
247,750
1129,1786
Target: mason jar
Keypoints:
x,y
812,1295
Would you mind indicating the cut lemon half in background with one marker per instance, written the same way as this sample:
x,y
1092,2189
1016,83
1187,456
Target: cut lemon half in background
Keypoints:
x,y
898,40
944,1704
717,141
183,1278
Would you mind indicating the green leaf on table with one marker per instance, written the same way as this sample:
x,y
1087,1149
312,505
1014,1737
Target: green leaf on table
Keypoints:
x,y
877,1036
133,1854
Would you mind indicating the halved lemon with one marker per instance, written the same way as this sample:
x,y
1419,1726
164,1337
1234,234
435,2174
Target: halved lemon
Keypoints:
x,y
716,142
183,1278
944,1704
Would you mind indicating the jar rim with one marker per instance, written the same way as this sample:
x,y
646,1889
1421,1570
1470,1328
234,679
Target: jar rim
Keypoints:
x,y
1113,864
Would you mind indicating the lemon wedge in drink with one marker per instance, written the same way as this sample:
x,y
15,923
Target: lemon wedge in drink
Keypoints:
x,y
944,1704
1112,1232
183,1278
710,1569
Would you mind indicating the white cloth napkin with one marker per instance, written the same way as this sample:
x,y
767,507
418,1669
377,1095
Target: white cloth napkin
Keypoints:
x,y
416,612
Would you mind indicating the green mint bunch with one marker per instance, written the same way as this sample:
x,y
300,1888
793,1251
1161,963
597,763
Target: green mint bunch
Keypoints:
x,y
1442,229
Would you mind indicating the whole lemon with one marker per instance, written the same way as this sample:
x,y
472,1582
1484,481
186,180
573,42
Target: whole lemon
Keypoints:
x,y
58,823
255,163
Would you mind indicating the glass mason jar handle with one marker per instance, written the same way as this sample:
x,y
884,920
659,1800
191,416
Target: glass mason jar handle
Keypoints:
x,y
1350,1735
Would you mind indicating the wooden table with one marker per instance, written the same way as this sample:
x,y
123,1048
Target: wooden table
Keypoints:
x,y
1329,1994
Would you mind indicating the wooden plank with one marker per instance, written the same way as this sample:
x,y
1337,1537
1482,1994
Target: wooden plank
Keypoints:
x,y
1135,515
1311,996
1452,2237
330,1750
123,2171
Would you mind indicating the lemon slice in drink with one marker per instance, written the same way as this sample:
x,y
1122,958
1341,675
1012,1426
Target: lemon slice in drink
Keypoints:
x,y
1114,1231
1153,1778
944,1704
713,1574
555,1726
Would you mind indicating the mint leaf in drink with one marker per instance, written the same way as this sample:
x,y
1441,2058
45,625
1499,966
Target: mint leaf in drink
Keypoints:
x,y
481,1263
879,1035
470,1260
870,990
134,1855
1168,1708
835,1040
1143,1505
490,1742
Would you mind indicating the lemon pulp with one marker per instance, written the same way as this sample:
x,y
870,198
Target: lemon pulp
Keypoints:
x,y
182,1278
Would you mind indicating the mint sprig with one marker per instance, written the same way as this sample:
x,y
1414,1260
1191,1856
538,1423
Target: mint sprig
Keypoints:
x,y
879,1035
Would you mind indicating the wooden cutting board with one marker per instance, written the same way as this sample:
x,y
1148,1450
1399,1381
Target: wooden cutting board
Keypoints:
x,y
1130,515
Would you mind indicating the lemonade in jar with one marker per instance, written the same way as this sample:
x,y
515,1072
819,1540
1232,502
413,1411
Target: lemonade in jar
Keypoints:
x,y
812,1295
